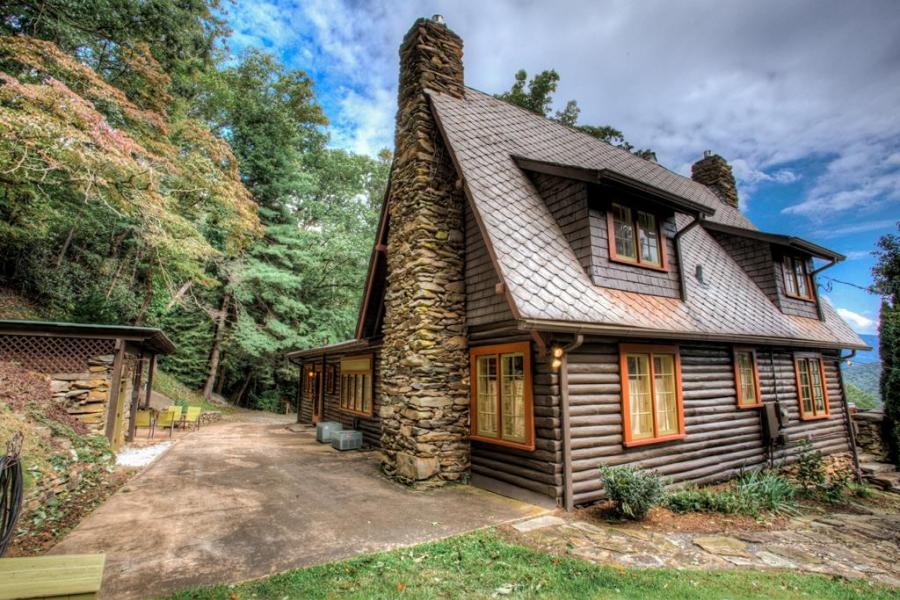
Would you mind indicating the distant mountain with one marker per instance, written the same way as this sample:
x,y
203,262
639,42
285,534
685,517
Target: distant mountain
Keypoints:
x,y
864,376
868,356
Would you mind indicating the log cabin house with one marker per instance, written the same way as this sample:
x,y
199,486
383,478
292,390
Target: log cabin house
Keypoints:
x,y
540,303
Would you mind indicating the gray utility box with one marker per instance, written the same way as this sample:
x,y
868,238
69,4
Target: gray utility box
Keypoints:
x,y
348,439
325,431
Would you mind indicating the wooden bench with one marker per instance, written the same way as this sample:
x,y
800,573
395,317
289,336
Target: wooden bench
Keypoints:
x,y
73,577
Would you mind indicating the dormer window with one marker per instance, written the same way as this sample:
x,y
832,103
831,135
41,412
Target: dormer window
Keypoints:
x,y
634,237
797,282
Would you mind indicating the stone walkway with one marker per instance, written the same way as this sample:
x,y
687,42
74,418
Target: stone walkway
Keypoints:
x,y
848,545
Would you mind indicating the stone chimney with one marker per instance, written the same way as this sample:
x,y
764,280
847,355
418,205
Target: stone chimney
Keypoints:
x,y
424,366
714,172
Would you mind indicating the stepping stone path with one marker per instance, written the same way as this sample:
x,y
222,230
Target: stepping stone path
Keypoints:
x,y
881,474
848,545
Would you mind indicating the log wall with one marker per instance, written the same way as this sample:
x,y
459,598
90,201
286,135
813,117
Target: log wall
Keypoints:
x,y
721,439
370,426
539,471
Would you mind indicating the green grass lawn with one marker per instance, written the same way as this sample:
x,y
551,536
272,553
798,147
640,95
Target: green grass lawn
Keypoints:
x,y
481,565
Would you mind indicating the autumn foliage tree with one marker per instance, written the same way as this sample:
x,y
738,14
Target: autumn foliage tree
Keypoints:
x,y
149,177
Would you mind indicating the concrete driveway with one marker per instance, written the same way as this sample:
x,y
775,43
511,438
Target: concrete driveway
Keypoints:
x,y
247,497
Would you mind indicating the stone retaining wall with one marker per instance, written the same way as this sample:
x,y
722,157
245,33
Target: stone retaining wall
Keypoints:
x,y
869,438
85,395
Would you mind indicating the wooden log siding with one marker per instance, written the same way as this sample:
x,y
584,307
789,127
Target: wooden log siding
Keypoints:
x,y
370,426
721,439
539,471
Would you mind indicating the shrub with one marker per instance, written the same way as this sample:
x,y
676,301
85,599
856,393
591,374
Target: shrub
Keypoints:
x,y
632,491
269,400
810,467
698,500
753,492
765,490
814,480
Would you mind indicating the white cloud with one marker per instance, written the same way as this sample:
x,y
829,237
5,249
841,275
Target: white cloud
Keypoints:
x,y
763,83
860,323
858,254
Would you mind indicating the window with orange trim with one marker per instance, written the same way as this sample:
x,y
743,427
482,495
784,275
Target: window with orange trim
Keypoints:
x,y
635,237
812,392
652,407
797,281
356,385
746,378
502,411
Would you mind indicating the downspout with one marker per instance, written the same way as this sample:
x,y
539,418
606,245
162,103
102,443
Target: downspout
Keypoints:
x,y
847,420
677,241
815,289
568,494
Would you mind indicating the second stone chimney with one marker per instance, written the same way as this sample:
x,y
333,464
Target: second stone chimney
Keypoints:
x,y
714,172
424,363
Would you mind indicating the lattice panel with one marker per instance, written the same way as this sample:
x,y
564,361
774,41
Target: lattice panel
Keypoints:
x,y
53,354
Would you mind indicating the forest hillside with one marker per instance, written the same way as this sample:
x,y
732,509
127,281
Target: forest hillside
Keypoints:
x,y
148,176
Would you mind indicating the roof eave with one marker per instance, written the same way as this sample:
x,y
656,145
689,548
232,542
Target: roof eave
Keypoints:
x,y
150,337
600,175
643,332
786,241
346,346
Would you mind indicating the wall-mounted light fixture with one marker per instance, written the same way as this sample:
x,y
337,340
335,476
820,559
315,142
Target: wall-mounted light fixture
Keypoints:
x,y
557,357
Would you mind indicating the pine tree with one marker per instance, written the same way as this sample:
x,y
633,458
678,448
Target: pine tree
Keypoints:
x,y
887,284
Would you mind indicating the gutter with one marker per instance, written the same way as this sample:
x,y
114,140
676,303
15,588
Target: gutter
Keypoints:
x,y
626,331
568,493
847,420
815,287
677,241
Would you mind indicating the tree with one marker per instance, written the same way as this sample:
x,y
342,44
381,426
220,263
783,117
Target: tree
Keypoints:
x,y
299,284
887,283
538,98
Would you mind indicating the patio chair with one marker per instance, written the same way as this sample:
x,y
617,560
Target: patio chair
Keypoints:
x,y
166,418
191,417
144,418
177,410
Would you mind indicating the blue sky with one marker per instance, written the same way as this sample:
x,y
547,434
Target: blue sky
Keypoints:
x,y
802,97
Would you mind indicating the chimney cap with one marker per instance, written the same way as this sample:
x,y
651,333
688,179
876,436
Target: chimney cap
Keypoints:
x,y
439,19
707,153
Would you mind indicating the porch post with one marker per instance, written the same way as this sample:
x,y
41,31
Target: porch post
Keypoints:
x,y
112,405
150,369
135,395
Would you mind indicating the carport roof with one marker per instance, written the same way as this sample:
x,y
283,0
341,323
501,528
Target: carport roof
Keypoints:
x,y
150,339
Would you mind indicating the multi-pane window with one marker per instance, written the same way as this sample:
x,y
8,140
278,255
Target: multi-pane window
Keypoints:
x,y
651,394
746,377
501,395
635,237
811,391
797,282
356,385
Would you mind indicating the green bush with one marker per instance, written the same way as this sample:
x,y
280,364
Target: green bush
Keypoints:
x,y
754,492
765,490
632,491
815,482
269,400
698,500
810,468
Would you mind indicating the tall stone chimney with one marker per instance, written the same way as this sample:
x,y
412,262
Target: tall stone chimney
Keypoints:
x,y
424,366
714,172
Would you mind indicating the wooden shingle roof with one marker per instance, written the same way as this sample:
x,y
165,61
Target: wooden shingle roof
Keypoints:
x,y
546,285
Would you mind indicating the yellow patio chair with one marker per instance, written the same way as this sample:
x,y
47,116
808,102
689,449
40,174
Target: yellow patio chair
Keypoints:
x,y
192,417
166,418
144,418
177,410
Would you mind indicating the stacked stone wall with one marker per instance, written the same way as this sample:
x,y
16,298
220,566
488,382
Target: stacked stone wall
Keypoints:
x,y
424,361
85,395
